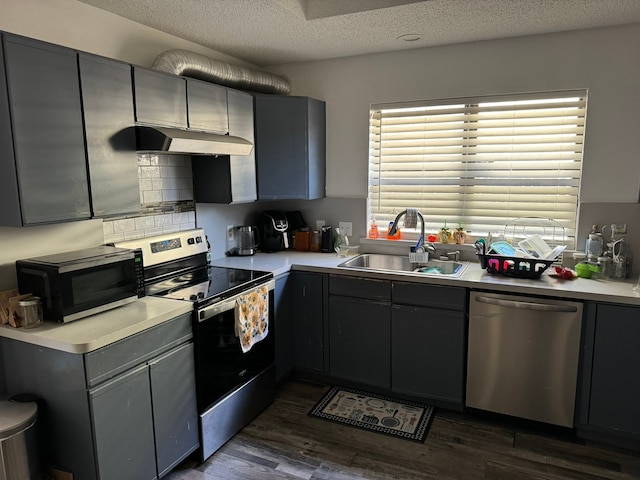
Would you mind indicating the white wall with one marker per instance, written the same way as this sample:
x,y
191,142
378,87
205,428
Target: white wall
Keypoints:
x,y
605,61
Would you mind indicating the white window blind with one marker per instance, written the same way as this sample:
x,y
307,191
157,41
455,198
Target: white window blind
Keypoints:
x,y
478,162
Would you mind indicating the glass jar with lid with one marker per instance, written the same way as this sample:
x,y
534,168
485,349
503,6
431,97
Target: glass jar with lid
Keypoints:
x,y
31,312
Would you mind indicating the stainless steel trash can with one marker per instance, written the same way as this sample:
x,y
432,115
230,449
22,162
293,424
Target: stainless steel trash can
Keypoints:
x,y
18,455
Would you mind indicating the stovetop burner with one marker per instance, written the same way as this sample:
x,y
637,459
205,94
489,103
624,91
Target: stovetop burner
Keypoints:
x,y
215,283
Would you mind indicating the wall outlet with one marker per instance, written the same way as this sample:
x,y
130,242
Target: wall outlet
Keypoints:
x,y
231,233
345,228
320,224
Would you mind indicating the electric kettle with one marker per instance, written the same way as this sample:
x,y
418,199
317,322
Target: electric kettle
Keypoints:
x,y
247,240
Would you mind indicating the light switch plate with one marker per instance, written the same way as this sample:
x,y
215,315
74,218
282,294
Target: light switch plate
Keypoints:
x,y
320,224
345,228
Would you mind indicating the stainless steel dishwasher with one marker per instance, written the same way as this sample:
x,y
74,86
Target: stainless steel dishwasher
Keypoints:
x,y
523,356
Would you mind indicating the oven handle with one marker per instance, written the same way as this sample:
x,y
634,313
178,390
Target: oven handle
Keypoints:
x,y
229,303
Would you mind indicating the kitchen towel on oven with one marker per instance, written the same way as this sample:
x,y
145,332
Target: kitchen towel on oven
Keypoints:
x,y
252,317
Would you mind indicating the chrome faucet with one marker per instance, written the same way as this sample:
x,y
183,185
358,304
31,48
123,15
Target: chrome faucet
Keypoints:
x,y
421,243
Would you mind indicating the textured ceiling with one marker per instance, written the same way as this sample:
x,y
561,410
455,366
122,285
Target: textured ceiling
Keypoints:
x,y
272,32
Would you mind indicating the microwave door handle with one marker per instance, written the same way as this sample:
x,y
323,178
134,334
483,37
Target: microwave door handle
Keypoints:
x,y
45,283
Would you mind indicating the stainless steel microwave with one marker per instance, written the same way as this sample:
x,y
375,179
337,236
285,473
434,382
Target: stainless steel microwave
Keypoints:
x,y
79,283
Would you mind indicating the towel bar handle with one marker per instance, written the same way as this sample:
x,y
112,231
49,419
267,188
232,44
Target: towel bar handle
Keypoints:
x,y
229,303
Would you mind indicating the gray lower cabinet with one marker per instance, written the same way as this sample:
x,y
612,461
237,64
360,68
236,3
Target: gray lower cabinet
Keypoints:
x,y
122,425
360,330
610,388
45,181
107,99
290,147
283,327
428,339
126,411
308,291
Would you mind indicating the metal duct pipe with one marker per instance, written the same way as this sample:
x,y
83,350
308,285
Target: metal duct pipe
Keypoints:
x,y
191,64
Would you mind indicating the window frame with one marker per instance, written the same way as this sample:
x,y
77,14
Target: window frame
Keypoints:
x,y
569,180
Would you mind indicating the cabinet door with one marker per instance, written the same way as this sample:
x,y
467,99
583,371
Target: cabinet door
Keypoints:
x,y
427,353
123,427
160,98
243,167
229,179
175,415
308,324
9,199
107,98
615,383
290,147
44,97
359,340
207,106
283,327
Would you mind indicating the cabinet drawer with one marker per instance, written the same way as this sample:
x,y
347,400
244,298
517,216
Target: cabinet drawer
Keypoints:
x,y
360,287
436,296
124,354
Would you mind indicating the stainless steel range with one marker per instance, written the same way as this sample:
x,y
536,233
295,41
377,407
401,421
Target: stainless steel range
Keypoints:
x,y
232,387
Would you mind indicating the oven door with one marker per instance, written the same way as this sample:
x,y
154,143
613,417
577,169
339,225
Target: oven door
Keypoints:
x,y
221,365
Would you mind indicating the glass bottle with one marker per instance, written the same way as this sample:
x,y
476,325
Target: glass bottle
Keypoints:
x,y
594,245
373,229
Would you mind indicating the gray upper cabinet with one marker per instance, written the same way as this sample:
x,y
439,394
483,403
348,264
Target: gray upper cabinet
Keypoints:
x,y
46,179
207,106
243,167
10,212
107,99
229,178
160,98
290,147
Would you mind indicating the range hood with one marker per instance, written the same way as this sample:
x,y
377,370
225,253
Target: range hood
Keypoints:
x,y
174,140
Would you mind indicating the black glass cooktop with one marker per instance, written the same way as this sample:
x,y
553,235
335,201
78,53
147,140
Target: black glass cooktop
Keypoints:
x,y
208,285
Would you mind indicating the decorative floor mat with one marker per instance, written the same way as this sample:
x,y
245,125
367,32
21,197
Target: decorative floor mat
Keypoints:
x,y
378,413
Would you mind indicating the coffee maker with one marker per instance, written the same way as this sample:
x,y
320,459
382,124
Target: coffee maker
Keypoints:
x,y
326,233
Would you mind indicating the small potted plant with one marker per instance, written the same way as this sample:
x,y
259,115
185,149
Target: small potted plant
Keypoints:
x,y
445,233
460,235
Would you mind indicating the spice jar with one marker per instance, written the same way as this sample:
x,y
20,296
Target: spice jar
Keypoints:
x,y
31,312
303,237
316,241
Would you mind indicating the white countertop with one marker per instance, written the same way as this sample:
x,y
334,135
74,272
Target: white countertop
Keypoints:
x,y
474,277
97,331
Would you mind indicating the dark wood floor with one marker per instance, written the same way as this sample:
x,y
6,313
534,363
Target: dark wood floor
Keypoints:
x,y
285,443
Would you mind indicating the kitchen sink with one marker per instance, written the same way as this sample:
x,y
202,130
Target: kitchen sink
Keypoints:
x,y
400,263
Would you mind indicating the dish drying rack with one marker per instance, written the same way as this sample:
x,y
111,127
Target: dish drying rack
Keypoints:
x,y
551,231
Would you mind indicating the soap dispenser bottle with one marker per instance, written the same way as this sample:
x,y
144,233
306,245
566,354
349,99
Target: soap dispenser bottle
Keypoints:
x,y
373,229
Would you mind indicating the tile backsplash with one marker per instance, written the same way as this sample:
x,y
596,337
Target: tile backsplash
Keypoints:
x,y
166,199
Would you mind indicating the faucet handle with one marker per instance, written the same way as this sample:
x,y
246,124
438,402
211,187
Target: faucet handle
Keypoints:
x,y
454,256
